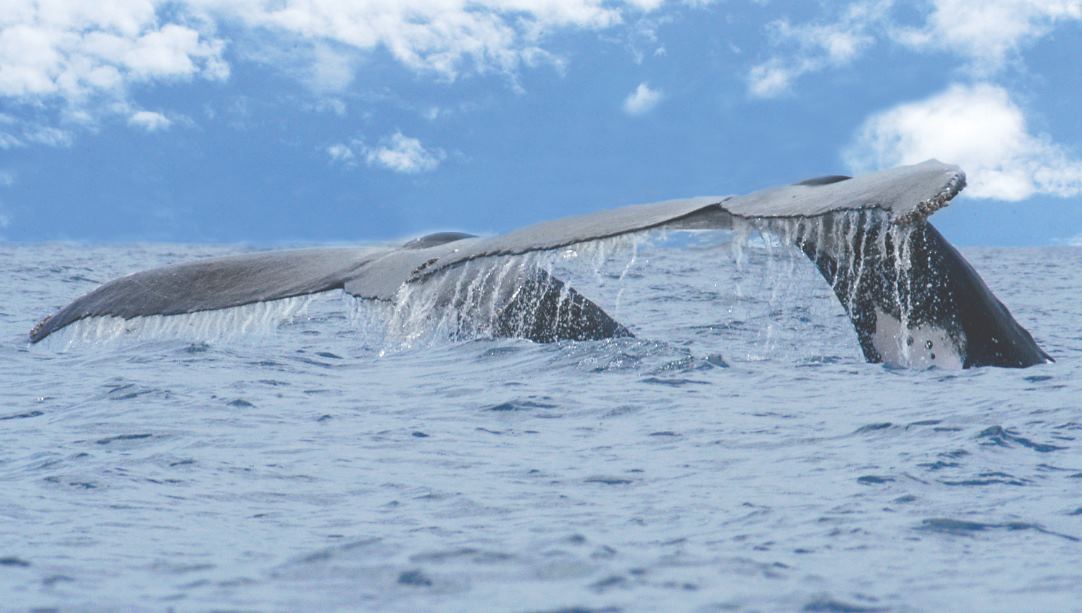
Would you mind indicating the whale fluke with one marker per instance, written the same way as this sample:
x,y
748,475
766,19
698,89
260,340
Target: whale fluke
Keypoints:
x,y
538,307
213,283
904,194
911,296
913,299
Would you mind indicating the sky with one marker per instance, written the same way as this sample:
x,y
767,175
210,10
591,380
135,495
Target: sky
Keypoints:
x,y
318,121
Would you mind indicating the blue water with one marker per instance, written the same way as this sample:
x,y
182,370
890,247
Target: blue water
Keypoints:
x,y
737,455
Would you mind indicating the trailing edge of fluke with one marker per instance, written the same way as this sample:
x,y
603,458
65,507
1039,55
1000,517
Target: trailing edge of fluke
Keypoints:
x,y
911,296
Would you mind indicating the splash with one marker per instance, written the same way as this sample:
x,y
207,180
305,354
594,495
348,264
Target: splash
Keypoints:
x,y
662,284
780,302
885,283
260,318
525,295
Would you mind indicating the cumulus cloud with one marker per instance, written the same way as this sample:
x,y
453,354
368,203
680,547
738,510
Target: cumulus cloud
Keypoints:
x,y
990,32
816,46
642,100
772,78
331,71
149,121
340,153
397,152
977,127
82,59
404,154
73,50
446,37
986,35
442,38
72,47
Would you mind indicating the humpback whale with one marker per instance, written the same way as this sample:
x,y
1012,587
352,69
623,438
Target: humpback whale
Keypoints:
x,y
910,295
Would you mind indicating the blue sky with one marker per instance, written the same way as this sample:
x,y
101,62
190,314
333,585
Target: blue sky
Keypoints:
x,y
337,121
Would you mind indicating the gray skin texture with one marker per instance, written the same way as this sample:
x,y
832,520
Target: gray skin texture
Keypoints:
x,y
541,308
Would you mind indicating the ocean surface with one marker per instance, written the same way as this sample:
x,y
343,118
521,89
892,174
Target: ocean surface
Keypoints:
x,y
736,455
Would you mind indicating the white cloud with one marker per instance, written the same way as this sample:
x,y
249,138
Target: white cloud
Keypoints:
x,y
646,5
985,34
332,71
642,100
9,141
80,59
773,78
817,46
149,121
977,127
33,133
72,50
340,153
991,31
443,37
49,136
404,154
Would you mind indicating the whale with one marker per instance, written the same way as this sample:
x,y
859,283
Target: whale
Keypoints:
x,y
911,296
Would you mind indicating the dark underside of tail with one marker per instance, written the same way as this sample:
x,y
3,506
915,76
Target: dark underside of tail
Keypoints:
x,y
544,309
934,287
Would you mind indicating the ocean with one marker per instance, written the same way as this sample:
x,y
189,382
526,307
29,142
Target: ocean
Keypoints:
x,y
737,454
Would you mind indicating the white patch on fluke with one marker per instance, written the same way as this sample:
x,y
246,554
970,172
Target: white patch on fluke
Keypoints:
x,y
918,347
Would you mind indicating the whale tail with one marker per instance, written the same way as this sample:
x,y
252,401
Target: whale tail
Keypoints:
x,y
911,296
913,299
535,305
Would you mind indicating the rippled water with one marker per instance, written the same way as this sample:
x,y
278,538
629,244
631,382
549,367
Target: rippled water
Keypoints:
x,y
736,455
